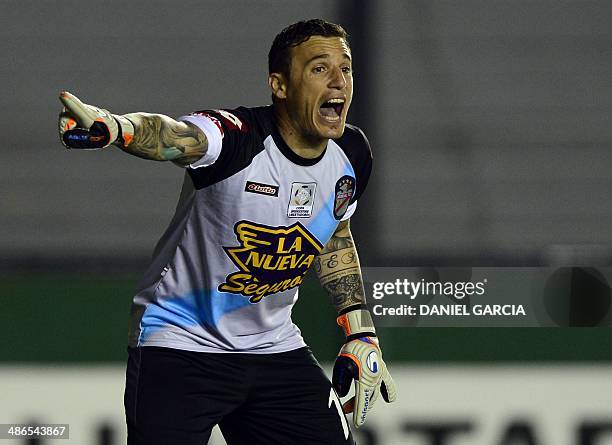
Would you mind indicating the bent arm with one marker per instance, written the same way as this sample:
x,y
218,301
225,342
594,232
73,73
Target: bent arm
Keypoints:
x,y
161,138
337,267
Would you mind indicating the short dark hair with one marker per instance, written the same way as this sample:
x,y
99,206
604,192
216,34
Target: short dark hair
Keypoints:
x,y
279,57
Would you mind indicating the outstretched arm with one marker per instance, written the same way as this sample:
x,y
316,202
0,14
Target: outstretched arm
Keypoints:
x,y
149,136
162,138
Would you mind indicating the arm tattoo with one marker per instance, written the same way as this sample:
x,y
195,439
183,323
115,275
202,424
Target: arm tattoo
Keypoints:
x,y
337,267
346,291
161,138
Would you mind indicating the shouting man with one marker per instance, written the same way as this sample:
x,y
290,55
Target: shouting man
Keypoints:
x,y
268,193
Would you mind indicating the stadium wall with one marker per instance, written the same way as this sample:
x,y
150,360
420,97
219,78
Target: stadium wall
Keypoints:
x,y
439,405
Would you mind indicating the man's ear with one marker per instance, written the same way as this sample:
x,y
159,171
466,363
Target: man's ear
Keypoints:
x,y
278,85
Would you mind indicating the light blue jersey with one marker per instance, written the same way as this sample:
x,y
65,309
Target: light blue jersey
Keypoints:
x,y
251,218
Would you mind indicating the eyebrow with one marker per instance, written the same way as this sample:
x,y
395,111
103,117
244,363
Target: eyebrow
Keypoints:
x,y
326,56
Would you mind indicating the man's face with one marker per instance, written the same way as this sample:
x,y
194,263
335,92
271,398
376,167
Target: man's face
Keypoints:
x,y
320,87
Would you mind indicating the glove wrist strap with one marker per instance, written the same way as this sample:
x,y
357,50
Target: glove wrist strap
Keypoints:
x,y
356,321
350,338
126,131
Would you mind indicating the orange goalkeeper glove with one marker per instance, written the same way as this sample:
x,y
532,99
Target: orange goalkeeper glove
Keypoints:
x,y
87,127
360,360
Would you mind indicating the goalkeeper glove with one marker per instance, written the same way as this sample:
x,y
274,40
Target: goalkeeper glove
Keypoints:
x,y
90,128
360,360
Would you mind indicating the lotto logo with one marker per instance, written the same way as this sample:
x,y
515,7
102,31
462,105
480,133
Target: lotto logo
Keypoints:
x,y
262,189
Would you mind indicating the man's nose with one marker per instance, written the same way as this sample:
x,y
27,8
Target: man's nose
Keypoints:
x,y
337,79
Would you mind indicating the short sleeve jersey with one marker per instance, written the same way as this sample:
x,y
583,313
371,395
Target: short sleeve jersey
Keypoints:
x,y
251,218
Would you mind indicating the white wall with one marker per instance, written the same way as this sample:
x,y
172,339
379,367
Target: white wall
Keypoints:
x,y
553,401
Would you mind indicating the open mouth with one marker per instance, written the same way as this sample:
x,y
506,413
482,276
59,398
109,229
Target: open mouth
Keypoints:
x,y
332,109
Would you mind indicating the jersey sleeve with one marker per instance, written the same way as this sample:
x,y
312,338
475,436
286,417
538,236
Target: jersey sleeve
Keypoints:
x,y
233,141
357,149
361,160
211,127
349,211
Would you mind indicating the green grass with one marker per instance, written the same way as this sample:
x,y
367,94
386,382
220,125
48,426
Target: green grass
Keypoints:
x,y
84,318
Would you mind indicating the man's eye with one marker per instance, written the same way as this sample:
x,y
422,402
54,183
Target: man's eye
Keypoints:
x,y
318,69
346,69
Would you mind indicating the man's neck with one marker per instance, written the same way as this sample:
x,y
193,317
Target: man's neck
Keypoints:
x,y
299,144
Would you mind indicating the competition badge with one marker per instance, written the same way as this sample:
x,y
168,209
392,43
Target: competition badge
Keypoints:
x,y
301,199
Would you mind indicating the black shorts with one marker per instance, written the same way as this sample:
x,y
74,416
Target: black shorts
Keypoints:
x,y
175,397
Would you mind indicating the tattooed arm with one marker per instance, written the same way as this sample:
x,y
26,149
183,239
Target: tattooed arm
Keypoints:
x,y
360,358
337,267
162,138
359,362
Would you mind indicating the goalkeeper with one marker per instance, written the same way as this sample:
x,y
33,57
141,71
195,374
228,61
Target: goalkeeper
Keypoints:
x,y
268,193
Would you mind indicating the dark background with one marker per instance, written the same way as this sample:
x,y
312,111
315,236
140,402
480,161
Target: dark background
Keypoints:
x,y
490,123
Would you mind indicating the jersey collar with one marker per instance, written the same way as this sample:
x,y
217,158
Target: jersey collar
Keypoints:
x,y
290,154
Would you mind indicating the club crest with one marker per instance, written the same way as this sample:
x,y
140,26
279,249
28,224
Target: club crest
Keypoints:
x,y
345,189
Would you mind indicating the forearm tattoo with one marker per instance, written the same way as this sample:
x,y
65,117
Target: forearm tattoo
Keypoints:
x,y
337,267
161,138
